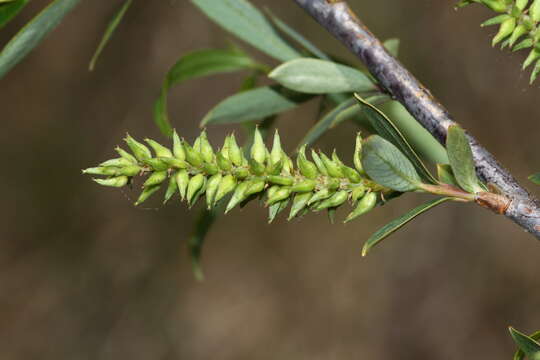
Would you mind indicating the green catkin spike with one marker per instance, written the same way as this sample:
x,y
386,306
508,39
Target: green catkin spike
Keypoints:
x,y
223,163
332,168
357,158
495,20
256,167
226,185
255,186
279,195
101,170
118,162
534,10
206,150
117,181
123,153
182,181
306,167
533,56
155,178
172,188
357,193
130,170
258,150
523,44
140,151
173,162
320,195
178,149
157,164
299,203
192,156
519,31
235,153
275,155
365,205
238,196
146,193
319,163
333,201
304,186
505,30
280,180
212,188
194,185
160,150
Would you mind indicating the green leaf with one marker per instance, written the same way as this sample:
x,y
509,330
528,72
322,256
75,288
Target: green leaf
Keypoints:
x,y
446,175
461,159
398,223
535,178
299,38
32,33
9,10
354,112
195,65
387,129
202,225
314,76
528,346
117,18
392,45
253,105
387,166
245,21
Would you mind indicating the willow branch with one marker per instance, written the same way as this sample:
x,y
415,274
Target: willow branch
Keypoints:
x,y
338,19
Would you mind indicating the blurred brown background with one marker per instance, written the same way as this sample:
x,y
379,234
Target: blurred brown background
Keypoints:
x,y
86,275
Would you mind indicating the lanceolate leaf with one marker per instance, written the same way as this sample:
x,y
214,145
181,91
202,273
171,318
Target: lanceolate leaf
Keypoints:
x,y
535,178
398,223
253,105
315,76
386,165
117,18
245,21
385,128
528,346
461,159
9,10
194,65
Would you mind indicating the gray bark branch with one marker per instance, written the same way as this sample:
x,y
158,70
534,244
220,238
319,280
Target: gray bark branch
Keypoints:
x,y
338,19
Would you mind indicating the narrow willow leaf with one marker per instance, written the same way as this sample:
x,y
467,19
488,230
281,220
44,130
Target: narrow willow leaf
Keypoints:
x,y
528,346
9,10
32,33
535,178
253,105
387,166
354,112
398,223
446,175
195,65
461,159
392,45
245,21
520,354
387,129
314,76
296,36
117,18
203,224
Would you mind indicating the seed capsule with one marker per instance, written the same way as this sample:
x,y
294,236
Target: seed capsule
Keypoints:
x,y
238,196
534,10
357,193
518,32
495,5
223,162
320,195
351,174
288,166
258,150
118,162
256,168
192,156
146,193
225,149
172,188
123,153
210,169
173,162
281,194
211,189
333,201
117,181
140,151
160,150
358,154
275,168
280,180
194,185
506,28
226,185
304,186
299,203
241,173
367,203
101,170
235,153
206,150
130,170
276,208
255,186
332,168
182,180
155,179
306,167
319,163
156,164
178,149
275,155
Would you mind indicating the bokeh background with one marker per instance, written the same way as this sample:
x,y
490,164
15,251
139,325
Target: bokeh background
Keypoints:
x,y
86,275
